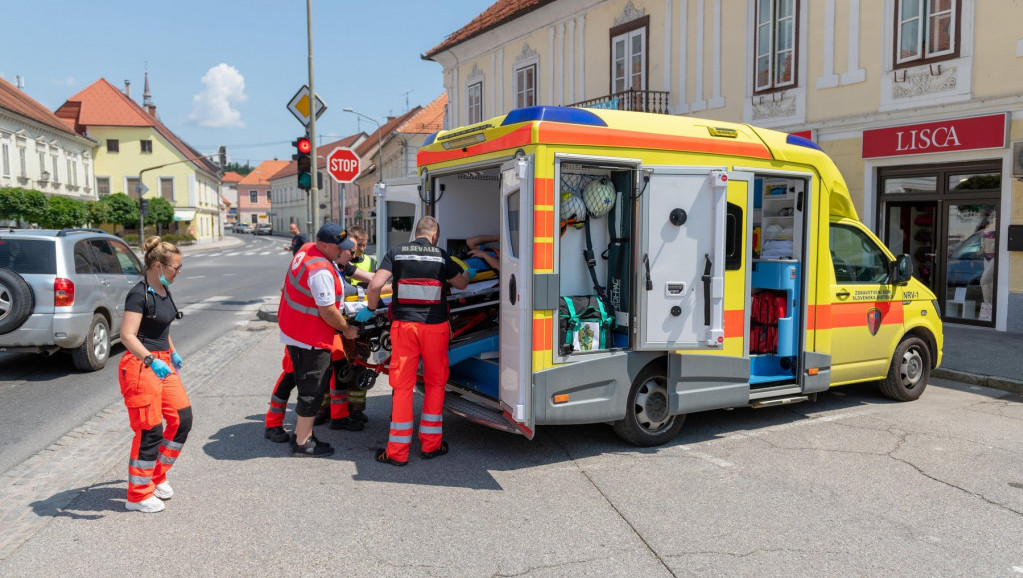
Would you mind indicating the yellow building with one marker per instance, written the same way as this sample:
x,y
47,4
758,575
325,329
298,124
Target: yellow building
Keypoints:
x,y
918,102
135,145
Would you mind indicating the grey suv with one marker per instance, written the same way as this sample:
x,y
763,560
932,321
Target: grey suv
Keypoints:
x,y
64,290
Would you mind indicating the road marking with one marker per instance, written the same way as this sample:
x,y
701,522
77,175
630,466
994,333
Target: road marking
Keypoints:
x,y
196,277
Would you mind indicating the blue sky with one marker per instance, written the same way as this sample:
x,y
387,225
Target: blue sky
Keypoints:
x,y
223,71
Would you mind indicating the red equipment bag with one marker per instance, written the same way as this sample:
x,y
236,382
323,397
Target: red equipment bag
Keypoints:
x,y
768,307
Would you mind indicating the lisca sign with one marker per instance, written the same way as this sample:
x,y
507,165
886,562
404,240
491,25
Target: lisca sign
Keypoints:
x,y
960,134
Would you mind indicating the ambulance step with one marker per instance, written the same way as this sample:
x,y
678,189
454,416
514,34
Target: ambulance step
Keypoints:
x,y
777,401
475,412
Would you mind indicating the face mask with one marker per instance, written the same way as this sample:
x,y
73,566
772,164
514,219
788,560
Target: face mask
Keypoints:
x,y
163,278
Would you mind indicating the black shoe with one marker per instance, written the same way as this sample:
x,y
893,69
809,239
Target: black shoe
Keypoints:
x,y
443,449
359,416
277,435
312,448
347,423
383,458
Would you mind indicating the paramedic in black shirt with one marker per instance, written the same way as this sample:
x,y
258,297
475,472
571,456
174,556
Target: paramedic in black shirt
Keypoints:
x,y
421,272
297,239
150,384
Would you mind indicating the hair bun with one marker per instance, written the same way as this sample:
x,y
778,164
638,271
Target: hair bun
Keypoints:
x,y
151,243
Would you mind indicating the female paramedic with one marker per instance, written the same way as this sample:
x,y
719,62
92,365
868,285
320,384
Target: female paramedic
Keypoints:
x,y
148,374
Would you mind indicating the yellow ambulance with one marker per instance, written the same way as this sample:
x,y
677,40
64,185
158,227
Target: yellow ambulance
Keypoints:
x,y
651,266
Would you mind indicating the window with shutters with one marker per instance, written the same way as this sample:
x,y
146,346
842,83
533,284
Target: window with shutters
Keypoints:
x,y
167,189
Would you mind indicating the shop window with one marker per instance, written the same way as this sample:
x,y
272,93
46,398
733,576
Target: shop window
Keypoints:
x,y
775,45
926,31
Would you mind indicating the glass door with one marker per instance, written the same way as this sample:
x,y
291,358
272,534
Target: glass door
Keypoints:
x,y
970,261
912,229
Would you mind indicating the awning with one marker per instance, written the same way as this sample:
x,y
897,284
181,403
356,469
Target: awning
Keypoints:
x,y
184,214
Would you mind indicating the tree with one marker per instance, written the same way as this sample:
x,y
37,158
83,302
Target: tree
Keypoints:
x,y
121,210
161,212
97,212
18,204
238,168
11,203
34,208
64,213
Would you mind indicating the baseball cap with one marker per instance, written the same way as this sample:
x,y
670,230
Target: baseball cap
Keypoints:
x,y
334,234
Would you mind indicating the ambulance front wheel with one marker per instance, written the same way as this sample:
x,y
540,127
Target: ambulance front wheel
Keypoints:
x,y
910,369
647,422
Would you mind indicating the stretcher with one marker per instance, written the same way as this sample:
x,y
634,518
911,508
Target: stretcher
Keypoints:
x,y
472,353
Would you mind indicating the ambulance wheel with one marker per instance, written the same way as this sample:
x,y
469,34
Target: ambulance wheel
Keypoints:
x,y
647,422
910,369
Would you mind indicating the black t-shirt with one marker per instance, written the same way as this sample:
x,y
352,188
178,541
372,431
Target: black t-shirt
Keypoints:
x,y
296,243
157,314
419,260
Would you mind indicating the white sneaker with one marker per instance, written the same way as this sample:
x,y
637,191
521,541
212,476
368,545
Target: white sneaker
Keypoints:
x,y
150,505
164,491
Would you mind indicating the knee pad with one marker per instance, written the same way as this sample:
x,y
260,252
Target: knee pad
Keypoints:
x,y
185,425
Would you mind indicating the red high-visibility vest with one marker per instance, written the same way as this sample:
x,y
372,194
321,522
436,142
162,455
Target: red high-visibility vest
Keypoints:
x,y
298,315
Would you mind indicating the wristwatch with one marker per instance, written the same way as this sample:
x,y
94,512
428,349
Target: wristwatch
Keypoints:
x,y
148,360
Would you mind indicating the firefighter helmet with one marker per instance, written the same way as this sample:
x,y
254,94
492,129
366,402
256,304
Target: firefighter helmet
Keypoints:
x,y
599,196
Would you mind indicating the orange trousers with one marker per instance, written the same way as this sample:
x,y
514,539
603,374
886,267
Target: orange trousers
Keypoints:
x,y
286,384
150,402
411,342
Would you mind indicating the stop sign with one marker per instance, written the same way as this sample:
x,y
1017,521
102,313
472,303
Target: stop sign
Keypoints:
x,y
343,164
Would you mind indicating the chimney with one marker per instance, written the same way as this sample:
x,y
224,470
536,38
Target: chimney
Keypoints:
x,y
151,109
127,88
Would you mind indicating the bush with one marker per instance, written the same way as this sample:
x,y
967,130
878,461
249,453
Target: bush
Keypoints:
x,y
131,239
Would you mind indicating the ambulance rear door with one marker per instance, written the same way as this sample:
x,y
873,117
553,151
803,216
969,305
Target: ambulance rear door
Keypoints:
x,y
516,316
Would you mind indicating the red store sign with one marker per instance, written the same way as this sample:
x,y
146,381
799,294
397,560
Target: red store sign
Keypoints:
x,y
961,134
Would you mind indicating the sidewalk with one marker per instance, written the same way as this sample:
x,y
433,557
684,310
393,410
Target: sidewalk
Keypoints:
x,y
225,242
983,356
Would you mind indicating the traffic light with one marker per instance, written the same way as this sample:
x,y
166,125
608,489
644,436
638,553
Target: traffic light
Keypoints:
x,y
144,207
304,147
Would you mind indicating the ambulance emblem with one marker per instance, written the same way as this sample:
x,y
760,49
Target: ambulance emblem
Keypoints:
x,y
874,320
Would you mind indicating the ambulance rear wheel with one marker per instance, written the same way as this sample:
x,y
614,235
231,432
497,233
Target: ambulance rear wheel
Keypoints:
x,y
647,422
910,369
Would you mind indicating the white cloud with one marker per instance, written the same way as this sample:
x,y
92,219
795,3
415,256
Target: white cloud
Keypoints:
x,y
214,106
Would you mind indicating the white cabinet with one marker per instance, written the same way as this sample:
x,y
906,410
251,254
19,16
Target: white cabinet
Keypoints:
x,y
779,228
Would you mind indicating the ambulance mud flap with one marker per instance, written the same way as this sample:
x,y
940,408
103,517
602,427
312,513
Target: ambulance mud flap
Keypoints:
x,y
816,374
703,382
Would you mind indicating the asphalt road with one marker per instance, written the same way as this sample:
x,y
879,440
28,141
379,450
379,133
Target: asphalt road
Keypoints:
x,y
42,398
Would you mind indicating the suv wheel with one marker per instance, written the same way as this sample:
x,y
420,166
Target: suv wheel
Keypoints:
x,y
92,355
16,301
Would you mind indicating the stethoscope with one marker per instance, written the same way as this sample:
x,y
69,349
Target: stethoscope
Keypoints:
x,y
177,313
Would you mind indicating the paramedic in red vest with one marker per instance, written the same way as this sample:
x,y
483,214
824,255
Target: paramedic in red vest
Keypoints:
x,y
419,329
308,317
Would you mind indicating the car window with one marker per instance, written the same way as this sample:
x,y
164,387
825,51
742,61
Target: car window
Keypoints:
x,y
108,263
28,256
85,261
129,262
856,258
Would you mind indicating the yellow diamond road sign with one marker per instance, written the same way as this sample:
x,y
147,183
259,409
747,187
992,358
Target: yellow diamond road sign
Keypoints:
x,y
301,104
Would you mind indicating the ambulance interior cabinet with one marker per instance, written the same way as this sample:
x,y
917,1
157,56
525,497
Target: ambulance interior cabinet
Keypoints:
x,y
780,278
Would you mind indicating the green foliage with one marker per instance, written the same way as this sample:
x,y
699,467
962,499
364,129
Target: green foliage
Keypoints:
x,y
238,168
35,205
121,209
161,212
64,213
18,204
11,201
97,213
131,239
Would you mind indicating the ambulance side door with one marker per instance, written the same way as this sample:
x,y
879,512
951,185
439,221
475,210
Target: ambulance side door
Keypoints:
x,y
867,319
516,316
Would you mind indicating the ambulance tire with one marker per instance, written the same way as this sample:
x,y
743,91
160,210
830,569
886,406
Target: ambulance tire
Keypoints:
x,y
910,369
647,422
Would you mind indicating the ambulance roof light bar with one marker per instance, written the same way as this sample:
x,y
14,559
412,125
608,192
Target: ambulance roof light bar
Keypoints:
x,y
566,114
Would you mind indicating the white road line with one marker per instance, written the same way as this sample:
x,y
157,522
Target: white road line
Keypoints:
x,y
196,277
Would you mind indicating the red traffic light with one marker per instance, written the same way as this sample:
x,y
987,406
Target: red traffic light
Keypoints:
x,y
304,145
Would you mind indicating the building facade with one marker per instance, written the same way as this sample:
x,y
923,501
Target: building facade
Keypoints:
x,y
254,196
229,196
40,151
136,151
917,101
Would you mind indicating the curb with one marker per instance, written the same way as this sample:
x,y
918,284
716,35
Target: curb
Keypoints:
x,y
267,314
1004,384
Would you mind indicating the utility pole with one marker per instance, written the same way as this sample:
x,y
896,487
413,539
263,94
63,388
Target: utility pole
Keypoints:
x,y
314,193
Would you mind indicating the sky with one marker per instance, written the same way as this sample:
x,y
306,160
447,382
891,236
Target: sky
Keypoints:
x,y
221,72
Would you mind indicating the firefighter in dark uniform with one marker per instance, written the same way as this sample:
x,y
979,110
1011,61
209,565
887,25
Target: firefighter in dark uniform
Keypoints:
x,y
421,272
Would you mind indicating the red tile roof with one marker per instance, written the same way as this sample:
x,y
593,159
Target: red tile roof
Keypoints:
x,y
102,104
428,120
322,151
262,174
499,13
231,177
18,102
370,144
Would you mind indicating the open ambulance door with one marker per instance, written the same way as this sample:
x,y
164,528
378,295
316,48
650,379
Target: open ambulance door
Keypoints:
x,y
516,316
680,284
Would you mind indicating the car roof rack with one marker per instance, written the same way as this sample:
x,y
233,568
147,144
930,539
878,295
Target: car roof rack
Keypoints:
x,y
64,232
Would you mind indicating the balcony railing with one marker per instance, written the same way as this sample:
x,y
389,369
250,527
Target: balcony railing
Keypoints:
x,y
655,101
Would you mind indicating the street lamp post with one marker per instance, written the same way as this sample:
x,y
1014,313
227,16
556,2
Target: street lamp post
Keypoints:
x,y
380,149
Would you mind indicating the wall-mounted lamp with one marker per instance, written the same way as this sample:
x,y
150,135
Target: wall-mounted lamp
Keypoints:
x,y
45,176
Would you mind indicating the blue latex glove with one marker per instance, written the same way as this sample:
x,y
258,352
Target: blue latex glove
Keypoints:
x,y
471,273
160,368
363,315
176,360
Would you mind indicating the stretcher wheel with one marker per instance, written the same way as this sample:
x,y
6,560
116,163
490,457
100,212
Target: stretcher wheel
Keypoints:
x,y
647,422
385,341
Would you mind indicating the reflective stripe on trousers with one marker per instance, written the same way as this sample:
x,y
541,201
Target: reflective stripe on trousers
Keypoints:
x,y
410,342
